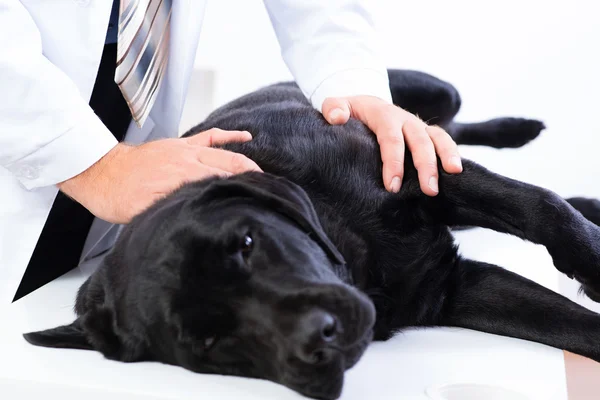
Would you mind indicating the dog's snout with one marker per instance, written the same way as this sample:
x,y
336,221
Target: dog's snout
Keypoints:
x,y
317,330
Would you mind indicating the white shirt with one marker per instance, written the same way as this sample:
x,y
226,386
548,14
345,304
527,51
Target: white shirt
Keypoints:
x,y
49,55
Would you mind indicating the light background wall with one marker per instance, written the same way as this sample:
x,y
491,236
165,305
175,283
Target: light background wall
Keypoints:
x,y
537,59
526,58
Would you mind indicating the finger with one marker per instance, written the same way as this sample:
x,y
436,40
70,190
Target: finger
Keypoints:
x,y
423,153
202,171
385,120
446,149
336,110
228,161
195,175
207,171
215,137
388,130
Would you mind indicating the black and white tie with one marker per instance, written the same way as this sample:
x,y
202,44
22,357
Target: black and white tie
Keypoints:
x,y
142,52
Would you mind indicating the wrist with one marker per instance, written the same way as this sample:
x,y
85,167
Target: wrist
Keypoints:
x,y
76,186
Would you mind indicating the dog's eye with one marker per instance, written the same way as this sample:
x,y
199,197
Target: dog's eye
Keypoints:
x,y
246,246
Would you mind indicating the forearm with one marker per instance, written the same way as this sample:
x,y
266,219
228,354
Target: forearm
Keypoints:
x,y
48,131
331,48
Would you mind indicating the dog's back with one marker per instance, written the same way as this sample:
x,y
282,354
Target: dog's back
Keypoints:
x,y
292,139
340,168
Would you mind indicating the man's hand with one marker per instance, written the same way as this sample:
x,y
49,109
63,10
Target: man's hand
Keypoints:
x,y
394,128
130,178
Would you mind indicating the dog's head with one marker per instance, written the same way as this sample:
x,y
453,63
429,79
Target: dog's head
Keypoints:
x,y
228,276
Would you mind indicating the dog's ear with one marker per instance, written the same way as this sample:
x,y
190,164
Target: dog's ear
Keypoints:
x,y
69,336
280,195
92,331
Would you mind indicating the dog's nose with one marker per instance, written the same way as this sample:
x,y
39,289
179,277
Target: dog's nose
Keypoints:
x,y
318,330
327,327
321,326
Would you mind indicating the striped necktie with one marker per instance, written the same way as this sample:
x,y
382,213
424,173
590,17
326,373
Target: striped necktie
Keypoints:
x,y
142,52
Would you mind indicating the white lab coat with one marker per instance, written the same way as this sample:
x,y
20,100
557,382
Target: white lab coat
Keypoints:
x,y
49,55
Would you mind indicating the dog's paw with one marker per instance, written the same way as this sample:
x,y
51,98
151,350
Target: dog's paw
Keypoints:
x,y
591,291
579,259
589,208
589,274
515,132
589,278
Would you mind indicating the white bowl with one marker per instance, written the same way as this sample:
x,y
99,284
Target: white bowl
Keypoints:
x,y
473,391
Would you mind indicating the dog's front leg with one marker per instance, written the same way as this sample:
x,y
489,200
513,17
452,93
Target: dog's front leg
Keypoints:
x,y
478,197
490,299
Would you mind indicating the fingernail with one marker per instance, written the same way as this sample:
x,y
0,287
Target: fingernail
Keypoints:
x,y
456,161
433,184
395,186
336,114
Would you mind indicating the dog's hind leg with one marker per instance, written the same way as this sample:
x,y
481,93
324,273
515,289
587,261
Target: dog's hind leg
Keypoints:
x,y
478,197
437,102
434,101
498,133
490,299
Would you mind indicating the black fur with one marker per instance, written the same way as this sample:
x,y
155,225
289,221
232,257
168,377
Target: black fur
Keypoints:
x,y
288,275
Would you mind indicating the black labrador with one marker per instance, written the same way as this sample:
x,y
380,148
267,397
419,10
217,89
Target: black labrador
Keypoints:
x,y
289,275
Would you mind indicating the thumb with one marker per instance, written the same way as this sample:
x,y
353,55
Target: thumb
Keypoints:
x,y
336,110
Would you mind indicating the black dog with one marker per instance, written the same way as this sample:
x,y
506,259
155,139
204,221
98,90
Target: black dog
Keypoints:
x,y
288,275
